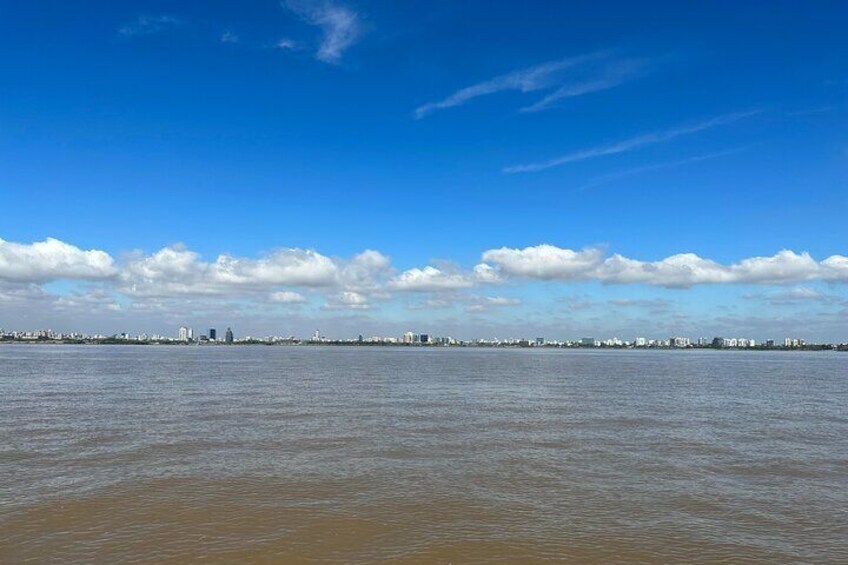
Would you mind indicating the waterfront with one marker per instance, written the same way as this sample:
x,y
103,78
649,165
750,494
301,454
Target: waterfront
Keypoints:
x,y
424,455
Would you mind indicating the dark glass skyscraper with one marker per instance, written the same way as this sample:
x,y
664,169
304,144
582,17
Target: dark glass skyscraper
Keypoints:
x,y
228,337
213,334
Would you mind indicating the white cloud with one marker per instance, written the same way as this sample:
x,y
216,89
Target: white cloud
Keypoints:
x,y
548,262
347,300
286,44
229,37
803,293
538,77
610,76
176,270
486,274
288,297
676,271
544,262
92,300
176,282
364,272
430,279
340,25
630,144
51,259
835,268
485,303
785,266
148,25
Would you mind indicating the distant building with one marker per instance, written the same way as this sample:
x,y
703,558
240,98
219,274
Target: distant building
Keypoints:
x,y
641,342
408,337
424,338
587,341
228,336
540,341
679,342
213,335
182,335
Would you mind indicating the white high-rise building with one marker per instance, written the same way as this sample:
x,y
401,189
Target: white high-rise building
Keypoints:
x,y
679,342
183,333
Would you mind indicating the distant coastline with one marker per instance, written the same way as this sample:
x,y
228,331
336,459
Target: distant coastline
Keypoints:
x,y
465,344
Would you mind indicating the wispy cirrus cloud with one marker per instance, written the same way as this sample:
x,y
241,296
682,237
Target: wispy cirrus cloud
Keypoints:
x,y
286,44
530,79
570,77
608,76
229,37
149,25
632,143
341,26
610,177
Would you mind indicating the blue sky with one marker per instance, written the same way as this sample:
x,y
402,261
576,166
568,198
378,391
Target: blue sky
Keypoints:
x,y
431,134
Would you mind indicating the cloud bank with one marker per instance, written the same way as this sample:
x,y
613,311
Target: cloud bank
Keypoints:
x,y
683,270
178,281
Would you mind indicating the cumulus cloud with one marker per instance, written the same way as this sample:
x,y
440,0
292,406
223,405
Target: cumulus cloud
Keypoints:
x,y
51,259
176,279
287,297
347,300
340,25
365,271
444,278
430,279
177,270
676,271
548,262
835,268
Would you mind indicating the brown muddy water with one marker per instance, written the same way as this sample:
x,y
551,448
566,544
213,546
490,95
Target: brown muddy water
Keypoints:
x,y
390,455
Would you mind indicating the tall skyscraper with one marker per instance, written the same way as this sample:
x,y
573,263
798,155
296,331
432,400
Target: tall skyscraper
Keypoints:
x,y
183,333
213,335
228,336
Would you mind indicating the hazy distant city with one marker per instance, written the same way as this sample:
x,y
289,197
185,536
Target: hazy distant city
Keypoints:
x,y
187,336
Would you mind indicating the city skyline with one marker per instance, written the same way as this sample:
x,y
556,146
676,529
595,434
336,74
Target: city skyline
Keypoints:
x,y
186,334
365,167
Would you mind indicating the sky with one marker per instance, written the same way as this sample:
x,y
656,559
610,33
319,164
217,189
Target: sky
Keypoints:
x,y
473,169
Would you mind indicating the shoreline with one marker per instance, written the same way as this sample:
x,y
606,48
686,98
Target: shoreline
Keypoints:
x,y
356,344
